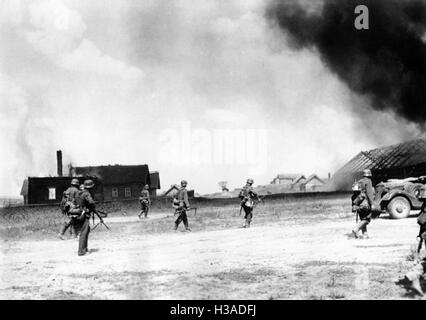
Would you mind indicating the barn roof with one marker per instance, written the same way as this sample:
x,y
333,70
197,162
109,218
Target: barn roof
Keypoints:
x,y
117,174
395,156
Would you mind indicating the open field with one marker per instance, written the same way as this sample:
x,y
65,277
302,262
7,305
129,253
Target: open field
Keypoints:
x,y
296,249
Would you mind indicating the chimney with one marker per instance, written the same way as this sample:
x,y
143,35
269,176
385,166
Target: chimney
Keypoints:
x,y
59,162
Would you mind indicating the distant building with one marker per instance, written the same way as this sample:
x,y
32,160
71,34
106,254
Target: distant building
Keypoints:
x,y
313,183
287,178
49,190
154,176
398,161
118,181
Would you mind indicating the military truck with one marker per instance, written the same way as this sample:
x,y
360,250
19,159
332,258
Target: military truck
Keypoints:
x,y
399,196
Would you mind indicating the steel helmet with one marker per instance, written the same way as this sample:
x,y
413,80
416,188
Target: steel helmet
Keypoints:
x,y
146,186
183,183
75,182
250,181
367,173
88,184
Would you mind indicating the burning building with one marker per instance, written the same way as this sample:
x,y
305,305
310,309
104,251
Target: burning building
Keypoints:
x,y
407,159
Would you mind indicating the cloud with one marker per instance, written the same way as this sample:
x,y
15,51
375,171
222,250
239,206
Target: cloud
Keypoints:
x,y
88,58
58,32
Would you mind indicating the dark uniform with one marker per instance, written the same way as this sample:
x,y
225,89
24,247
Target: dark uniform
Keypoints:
x,y
86,202
363,204
145,202
248,197
181,204
419,270
69,200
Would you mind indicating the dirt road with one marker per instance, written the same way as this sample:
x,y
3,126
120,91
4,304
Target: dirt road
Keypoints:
x,y
282,260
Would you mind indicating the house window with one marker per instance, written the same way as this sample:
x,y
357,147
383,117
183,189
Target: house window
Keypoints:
x,y
127,192
52,193
114,192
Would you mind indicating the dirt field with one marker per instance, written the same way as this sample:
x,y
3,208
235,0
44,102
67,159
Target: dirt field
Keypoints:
x,y
294,250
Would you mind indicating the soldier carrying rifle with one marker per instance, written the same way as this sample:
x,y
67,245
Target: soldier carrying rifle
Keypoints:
x,y
363,204
419,270
181,205
87,205
145,202
68,203
248,198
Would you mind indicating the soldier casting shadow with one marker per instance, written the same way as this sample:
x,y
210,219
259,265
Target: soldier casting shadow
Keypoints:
x,y
181,205
145,202
87,205
363,205
248,198
68,207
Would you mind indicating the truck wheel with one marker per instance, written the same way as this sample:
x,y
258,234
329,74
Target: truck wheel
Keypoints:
x,y
399,208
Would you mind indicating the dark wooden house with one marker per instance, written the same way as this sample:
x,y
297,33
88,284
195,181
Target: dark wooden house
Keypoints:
x,y
49,190
117,182
155,183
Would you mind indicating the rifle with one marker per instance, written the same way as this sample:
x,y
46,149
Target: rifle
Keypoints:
x,y
181,210
101,221
420,236
195,210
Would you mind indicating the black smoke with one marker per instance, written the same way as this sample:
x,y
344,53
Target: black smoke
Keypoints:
x,y
386,63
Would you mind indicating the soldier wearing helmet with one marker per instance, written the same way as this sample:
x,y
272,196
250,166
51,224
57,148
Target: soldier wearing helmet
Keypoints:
x,y
69,201
145,202
181,204
363,204
247,197
87,203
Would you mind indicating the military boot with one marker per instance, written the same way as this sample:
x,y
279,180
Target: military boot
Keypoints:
x,y
415,285
359,226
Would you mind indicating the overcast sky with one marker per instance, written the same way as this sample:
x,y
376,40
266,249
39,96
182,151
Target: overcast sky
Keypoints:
x,y
157,82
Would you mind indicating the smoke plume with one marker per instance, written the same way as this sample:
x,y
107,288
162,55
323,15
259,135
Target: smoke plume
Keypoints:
x,y
386,63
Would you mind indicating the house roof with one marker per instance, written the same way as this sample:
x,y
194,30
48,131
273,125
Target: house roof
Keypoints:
x,y
117,174
312,177
172,187
155,180
398,155
288,175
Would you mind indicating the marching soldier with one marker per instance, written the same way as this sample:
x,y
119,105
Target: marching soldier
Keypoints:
x,y
363,204
247,197
68,202
87,203
181,204
414,275
145,202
